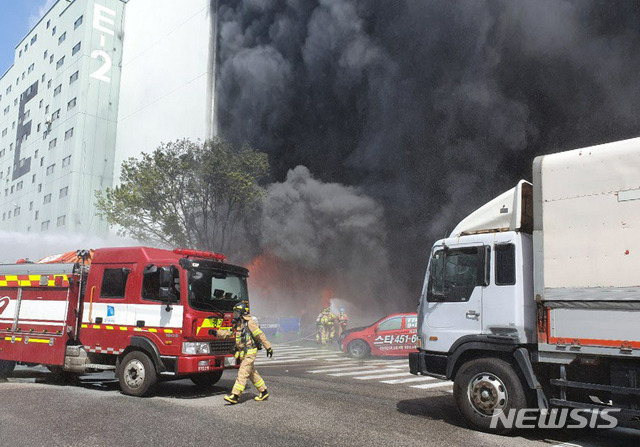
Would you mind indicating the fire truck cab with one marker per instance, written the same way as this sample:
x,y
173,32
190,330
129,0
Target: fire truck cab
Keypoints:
x,y
147,314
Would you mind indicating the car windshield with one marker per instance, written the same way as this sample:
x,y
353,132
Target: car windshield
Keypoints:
x,y
216,290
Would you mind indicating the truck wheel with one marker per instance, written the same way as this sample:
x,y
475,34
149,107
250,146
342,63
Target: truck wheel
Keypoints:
x,y
6,368
206,380
358,349
486,387
137,374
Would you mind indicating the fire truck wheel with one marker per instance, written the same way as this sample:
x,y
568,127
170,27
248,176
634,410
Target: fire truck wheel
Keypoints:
x,y
358,349
6,367
137,374
487,386
206,380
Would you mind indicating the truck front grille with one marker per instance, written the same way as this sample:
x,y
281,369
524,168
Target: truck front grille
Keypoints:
x,y
223,347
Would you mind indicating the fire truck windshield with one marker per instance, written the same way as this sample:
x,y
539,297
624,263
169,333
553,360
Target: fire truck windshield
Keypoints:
x,y
216,290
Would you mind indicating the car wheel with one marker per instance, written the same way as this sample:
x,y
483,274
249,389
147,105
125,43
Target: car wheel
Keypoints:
x,y
206,380
6,368
358,349
486,387
137,374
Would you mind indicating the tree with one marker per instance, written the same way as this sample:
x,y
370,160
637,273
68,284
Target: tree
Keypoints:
x,y
186,194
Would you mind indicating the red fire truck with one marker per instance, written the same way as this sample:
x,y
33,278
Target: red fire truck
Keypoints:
x,y
146,314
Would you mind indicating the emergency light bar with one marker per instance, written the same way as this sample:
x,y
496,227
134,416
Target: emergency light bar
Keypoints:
x,y
200,254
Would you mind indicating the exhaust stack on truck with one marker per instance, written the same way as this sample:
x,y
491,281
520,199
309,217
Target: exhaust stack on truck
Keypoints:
x,y
534,299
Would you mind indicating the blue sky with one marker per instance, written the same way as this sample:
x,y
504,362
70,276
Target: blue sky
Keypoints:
x,y
16,19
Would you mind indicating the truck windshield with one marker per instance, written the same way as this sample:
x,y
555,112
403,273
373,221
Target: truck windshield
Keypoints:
x,y
454,273
216,290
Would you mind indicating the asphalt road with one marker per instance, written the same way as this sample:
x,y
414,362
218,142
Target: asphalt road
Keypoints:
x,y
317,398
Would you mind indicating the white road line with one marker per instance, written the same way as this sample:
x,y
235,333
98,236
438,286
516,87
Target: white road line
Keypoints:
x,y
355,373
277,362
433,385
353,365
409,380
384,376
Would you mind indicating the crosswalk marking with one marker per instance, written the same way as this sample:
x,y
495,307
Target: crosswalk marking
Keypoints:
x,y
342,367
355,373
385,376
411,379
432,385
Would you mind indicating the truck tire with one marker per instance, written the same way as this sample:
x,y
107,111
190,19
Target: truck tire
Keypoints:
x,y
206,380
358,349
137,374
6,368
485,385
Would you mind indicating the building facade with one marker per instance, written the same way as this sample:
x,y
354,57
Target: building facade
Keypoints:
x,y
93,83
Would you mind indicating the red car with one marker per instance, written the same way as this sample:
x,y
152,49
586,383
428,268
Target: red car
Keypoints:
x,y
393,335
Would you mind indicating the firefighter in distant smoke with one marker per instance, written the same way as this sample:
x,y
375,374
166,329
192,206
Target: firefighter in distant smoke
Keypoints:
x,y
249,339
328,325
319,327
343,321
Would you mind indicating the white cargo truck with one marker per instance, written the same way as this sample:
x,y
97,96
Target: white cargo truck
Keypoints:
x,y
533,301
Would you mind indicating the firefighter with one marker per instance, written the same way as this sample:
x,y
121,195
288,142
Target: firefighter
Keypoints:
x,y
319,327
343,320
249,338
328,322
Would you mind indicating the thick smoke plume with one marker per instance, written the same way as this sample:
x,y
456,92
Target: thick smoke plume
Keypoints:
x,y
429,107
320,241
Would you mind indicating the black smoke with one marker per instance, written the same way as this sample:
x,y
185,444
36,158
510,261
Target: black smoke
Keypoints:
x,y
429,107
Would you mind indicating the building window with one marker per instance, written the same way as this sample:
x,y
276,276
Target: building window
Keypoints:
x,y
57,90
50,169
16,212
55,115
75,49
62,37
73,78
46,52
77,23
33,178
51,59
40,103
41,164
60,63
6,110
40,185
42,80
71,104
4,132
34,38
19,186
53,143
1,155
8,90
36,215
48,23
64,192
62,220
68,134
66,161
31,68
53,31
46,109
30,206
49,83
47,199
44,226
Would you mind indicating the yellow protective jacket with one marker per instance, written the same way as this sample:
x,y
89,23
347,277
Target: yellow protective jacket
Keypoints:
x,y
245,332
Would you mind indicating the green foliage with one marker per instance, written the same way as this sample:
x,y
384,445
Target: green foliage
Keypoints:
x,y
186,194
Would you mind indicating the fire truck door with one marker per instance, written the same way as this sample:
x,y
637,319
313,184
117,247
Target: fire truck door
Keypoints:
x,y
107,297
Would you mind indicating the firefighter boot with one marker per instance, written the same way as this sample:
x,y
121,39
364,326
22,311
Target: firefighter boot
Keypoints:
x,y
264,395
231,398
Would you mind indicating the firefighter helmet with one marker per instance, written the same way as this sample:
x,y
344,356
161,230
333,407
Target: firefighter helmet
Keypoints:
x,y
242,308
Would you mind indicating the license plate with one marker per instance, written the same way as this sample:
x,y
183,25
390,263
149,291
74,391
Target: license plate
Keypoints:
x,y
229,361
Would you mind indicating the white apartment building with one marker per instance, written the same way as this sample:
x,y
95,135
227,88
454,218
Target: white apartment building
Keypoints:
x,y
93,83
